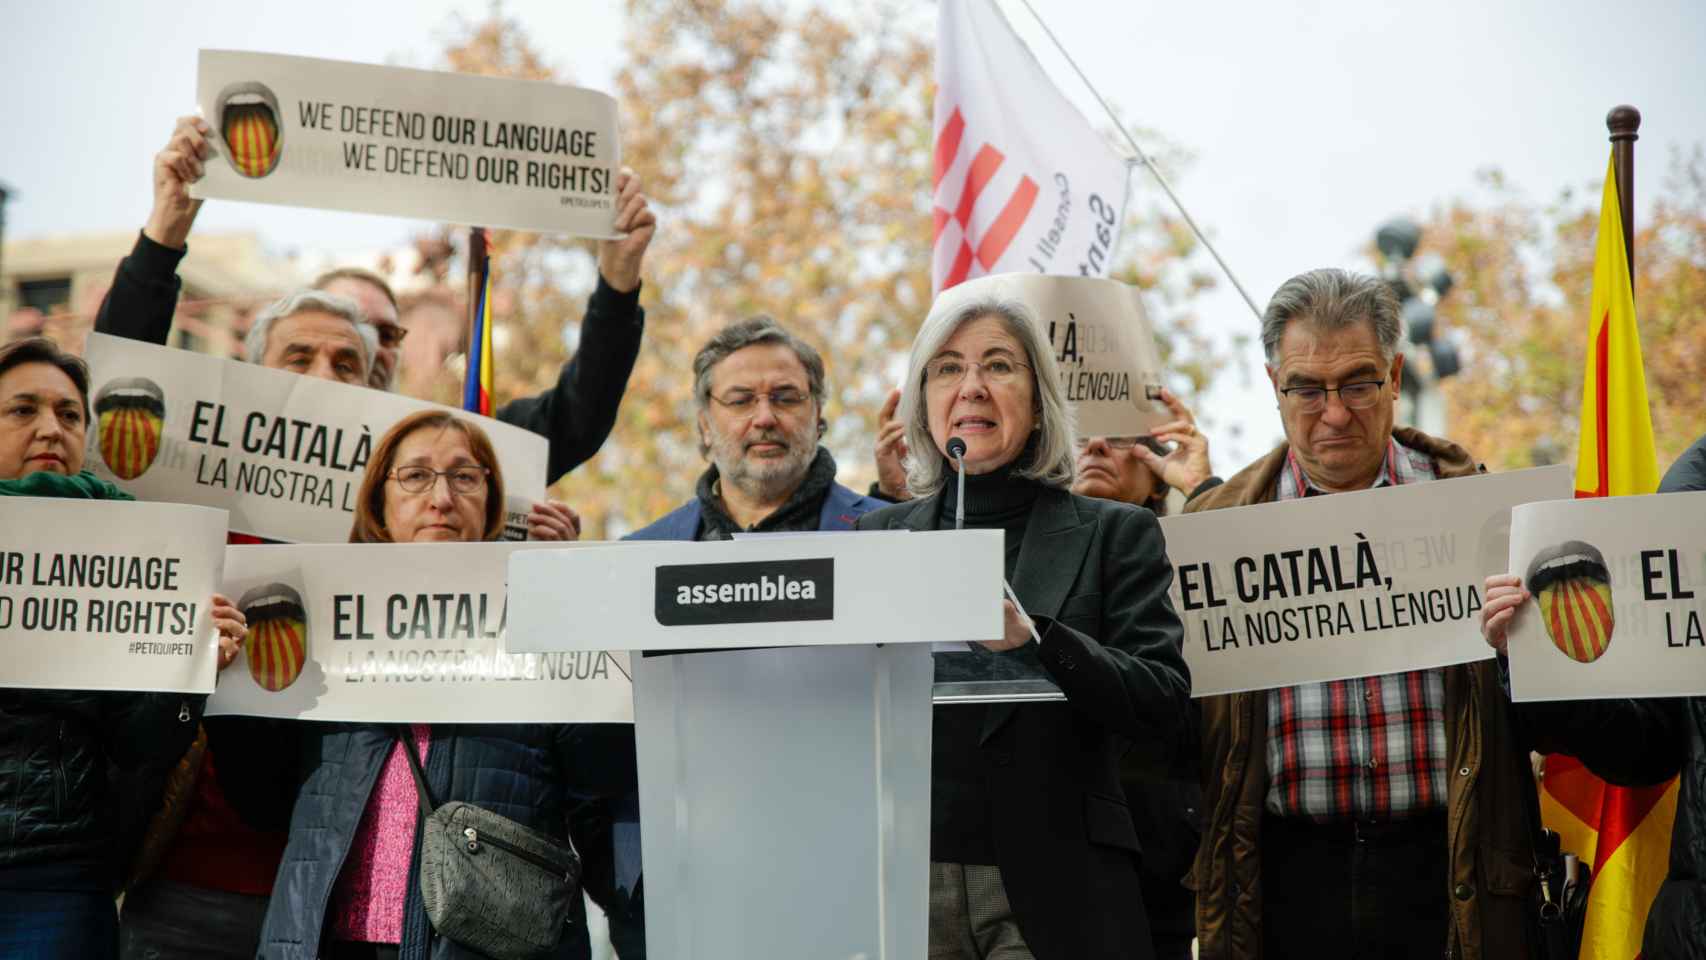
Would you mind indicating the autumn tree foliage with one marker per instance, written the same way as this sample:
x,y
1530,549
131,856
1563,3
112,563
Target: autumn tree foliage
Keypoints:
x,y
1524,275
786,149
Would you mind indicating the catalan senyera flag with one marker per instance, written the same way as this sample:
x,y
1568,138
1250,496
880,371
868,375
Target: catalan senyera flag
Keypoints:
x,y
477,380
1623,832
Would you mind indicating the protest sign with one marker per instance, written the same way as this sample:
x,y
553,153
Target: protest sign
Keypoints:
x,y
108,595
284,453
1619,598
1109,366
441,146
1351,585
401,633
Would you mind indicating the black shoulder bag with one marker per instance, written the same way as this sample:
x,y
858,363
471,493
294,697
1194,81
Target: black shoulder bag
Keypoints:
x,y
489,883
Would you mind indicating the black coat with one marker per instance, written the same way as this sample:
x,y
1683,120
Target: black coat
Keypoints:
x,y
80,772
1093,575
576,415
530,773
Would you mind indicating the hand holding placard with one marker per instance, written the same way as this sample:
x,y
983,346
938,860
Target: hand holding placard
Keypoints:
x,y
176,166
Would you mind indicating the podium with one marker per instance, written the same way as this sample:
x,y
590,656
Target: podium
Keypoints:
x,y
782,711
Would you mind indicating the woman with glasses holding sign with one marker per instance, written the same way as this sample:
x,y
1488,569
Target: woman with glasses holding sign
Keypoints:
x,y
350,885
79,770
1032,848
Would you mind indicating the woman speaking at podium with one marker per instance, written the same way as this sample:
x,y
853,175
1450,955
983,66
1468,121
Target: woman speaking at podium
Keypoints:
x,y
1032,848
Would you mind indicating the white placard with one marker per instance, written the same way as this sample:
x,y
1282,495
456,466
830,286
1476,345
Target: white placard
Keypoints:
x,y
1349,585
284,453
401,633
108,595
1619,608
1109,365
856,587
486,151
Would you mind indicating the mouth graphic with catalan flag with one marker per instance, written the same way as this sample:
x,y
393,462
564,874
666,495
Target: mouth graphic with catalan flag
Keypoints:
x,y
249,123
277,645
131,413
1573,587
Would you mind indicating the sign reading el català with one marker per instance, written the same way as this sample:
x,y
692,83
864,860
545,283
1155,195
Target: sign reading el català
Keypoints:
x,y
283,453
401,633
1619,598
1351,585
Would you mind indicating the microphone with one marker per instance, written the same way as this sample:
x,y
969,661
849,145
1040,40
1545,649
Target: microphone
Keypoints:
x,y
957,450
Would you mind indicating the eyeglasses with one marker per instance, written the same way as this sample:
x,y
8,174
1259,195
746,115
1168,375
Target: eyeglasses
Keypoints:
x,y
464,481
390,334
745,402
945,372
1114,443
1123,443
1355,396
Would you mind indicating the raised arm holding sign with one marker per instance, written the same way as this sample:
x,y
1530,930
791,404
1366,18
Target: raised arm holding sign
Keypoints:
x,y
576,414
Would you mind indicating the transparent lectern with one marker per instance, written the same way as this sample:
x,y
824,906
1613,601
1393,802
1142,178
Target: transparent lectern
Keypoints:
x,y
782,698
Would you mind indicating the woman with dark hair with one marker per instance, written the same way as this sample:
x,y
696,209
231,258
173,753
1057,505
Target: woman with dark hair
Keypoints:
x,y
349,885
79,770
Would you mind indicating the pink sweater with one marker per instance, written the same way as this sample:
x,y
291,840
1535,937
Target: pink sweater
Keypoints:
x,y
367,900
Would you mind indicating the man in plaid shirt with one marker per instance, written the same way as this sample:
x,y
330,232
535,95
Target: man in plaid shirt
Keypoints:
x,y
1377,816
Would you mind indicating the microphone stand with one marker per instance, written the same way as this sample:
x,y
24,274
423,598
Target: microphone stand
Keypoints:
x,y
957,450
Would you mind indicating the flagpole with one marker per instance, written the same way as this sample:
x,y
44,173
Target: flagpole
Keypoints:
x,y
477,257
1624,121
1143,158
479,262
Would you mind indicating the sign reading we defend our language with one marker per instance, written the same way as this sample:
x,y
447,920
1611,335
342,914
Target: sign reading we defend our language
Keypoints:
x,y
778,591
401,633
1619,598
108,594
284,453
1102,340
488,151
1348,585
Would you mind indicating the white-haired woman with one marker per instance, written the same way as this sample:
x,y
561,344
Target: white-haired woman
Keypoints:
x,y
1032,848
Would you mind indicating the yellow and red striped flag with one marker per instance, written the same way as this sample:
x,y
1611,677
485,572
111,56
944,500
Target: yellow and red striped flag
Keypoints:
x,y
1624,832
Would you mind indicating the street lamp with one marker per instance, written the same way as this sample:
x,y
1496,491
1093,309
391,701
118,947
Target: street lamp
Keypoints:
x,y
1419,287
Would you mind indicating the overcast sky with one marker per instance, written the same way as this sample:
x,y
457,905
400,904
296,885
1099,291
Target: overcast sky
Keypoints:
x,y
1310,122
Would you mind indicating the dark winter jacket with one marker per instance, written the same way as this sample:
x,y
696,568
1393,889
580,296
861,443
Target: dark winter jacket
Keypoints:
x,y
80,771
576,415
530,773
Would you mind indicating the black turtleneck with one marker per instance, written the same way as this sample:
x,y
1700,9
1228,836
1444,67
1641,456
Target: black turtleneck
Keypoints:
x,y
960,829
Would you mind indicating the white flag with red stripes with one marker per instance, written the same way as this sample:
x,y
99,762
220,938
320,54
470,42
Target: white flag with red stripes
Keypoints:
x,y
1022,182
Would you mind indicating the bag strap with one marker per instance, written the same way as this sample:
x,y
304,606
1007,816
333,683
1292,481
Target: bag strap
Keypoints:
x,y
407,741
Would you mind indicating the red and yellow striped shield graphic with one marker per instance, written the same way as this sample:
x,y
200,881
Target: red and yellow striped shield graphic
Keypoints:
x,y
277,646
1578,617
276,649
131,413
1573,587
130,439
251,133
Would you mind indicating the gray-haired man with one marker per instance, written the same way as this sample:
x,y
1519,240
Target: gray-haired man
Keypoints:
x,y
316,334
1375,816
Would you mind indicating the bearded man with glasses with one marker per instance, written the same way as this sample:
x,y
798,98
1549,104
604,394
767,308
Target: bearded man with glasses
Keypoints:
x,y
759,393
1326,805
